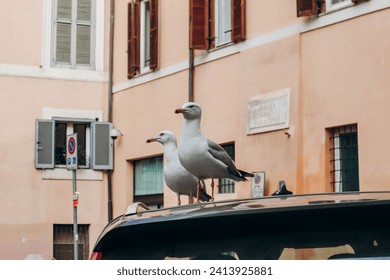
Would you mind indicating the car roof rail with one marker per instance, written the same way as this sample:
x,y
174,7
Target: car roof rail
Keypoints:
x,y
136,207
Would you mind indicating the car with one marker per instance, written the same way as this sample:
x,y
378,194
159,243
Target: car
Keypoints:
x,y
347,225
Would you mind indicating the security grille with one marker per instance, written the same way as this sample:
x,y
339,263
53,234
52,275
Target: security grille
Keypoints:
x,y
226,185
345,158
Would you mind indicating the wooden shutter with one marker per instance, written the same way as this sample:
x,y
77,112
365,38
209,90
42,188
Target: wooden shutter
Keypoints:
x,y
238,20
199,24
306,8
44,144
102,146
133,56
153,34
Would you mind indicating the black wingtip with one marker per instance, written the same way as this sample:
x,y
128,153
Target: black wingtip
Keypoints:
x,y
246,174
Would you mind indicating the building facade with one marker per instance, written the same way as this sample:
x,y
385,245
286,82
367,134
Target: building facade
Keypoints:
x,y
53,82
293,90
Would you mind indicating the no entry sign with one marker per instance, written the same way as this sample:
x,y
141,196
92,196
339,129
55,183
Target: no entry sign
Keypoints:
x,y
71,151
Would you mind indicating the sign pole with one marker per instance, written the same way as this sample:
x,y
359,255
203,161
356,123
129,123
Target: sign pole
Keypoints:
x,y
75,229
71,164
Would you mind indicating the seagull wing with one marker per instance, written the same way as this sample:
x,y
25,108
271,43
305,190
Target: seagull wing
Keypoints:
x,y
220,154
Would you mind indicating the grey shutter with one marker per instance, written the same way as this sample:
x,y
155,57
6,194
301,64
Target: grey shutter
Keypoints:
x,y
44,144
102,146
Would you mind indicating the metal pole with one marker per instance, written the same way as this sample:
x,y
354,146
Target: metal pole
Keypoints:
x,y
110,101
191,76
75,230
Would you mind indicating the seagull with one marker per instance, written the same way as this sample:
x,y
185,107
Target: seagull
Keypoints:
x,y
201,156
177,178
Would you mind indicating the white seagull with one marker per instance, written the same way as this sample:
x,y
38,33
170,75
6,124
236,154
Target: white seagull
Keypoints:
x,y
177,178
201,156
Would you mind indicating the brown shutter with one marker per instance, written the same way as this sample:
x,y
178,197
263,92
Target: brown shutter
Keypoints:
x,y
131,40
238,20
306,8
211,25
199,24
153,34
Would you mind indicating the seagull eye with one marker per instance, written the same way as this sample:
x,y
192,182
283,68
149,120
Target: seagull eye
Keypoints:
x,y
161,134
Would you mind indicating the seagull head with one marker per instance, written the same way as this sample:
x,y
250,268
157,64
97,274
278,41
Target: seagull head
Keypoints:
x,y
190,111
163,137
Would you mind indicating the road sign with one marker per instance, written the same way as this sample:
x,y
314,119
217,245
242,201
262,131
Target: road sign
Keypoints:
x,y
71,152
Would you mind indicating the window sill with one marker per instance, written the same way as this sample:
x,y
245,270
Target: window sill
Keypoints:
x,y
64,174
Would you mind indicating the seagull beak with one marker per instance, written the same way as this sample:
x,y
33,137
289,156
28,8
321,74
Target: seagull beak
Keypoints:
x,y
180,111
151,140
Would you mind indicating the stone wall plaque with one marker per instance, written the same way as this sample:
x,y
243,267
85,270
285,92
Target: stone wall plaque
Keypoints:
x,y
270,112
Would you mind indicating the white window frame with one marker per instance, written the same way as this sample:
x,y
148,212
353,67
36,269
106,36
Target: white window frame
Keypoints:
x,y
74,24
330,7
223,22
145,36
96,74
69,130
338,174
63,173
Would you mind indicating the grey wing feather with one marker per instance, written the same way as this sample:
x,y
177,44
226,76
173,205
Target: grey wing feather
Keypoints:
x,y
219,153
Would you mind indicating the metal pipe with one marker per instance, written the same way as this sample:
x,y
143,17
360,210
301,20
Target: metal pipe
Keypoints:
x,y
191,70
110,102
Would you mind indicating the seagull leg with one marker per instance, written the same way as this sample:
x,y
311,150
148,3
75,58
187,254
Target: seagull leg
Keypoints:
x,y
212,189
198,192
178,200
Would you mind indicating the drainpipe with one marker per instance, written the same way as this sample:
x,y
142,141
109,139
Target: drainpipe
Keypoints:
x,y
110,102
191,76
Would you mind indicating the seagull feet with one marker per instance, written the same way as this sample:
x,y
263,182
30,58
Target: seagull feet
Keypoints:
x,y
212,189
198,192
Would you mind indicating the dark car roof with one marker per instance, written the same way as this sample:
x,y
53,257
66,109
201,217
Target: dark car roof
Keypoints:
x,y
215,214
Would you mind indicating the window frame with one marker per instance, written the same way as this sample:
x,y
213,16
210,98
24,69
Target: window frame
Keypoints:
x,y
337,161
319,7
142,36
226,186
97,136
330,7
203,27
223,23
154,200
63,237
70,130
74,23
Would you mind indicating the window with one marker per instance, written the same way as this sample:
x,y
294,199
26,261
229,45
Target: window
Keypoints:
x,y
63,248
226,185
94,145
315,7
332,5
223,23
345,159
214,23
142,36
148,181
83,134
73,34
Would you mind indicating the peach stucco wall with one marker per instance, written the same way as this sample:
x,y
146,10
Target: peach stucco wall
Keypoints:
x,y
344,81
